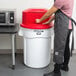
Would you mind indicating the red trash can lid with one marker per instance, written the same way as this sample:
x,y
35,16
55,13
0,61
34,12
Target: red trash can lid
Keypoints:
x,y
35,10
29,16
37,26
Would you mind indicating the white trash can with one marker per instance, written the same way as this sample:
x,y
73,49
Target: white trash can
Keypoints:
x,y
37,38
37,47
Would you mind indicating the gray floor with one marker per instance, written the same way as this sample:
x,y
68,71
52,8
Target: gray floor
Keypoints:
x,y
21,70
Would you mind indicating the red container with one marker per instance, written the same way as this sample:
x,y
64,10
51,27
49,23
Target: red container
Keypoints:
x,y
30,15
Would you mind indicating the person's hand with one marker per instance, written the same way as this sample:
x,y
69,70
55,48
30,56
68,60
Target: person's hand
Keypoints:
x,y
46,23
37,20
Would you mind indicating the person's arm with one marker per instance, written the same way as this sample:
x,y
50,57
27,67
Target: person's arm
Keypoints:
x,y
50,20
47,14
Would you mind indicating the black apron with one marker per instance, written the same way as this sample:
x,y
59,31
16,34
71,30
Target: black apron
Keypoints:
x,y
73,23
61,31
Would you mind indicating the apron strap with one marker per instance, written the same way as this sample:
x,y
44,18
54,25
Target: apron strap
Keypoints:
x,y
73,23
72,46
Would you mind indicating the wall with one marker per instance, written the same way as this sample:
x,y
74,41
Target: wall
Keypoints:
x,y
74,17
21,5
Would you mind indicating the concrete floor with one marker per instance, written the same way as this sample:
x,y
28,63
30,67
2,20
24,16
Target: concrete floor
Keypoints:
x,y
21,70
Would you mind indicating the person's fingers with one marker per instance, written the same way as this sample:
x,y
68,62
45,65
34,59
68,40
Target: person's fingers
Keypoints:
x,y
46,23
37,20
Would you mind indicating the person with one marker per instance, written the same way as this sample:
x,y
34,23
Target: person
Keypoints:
x,y
62,30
